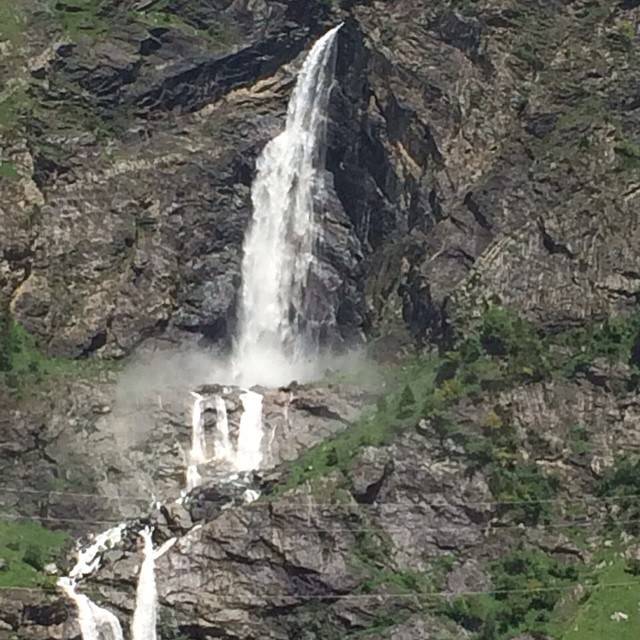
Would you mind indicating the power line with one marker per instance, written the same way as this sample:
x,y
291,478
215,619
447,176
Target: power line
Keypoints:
x,y
480,527
358,505
395,596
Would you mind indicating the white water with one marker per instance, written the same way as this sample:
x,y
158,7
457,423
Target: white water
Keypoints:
x,y
93,620
89,557
223,448
249,451
273,345
198,453
143,626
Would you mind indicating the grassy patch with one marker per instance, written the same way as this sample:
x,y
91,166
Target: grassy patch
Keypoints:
x,y
25,549
628,154
612,589
82,18
12,21
14,105
8,170
218,35
394,413
23,365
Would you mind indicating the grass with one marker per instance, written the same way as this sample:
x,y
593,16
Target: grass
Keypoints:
x,y
13,106
628,155
8,170
219,35
12,21
614,590
23,365
81,18
26,548
397,411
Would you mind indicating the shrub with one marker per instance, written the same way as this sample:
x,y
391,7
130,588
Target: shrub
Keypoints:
x,y
33,556
622,482
524,491
523,597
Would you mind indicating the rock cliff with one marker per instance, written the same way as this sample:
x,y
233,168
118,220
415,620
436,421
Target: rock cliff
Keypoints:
x,y
483,168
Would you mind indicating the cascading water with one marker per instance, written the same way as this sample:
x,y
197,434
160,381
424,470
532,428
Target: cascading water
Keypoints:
x,y
93,620
249,451
198,453
273,344
143,626
223,448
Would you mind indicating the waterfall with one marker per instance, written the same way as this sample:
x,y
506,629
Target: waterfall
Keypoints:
x,y
223,448
143,626
91,618
89,557
198,454
273,343
249,450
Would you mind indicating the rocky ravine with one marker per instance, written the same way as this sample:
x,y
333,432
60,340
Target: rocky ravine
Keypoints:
x,y
478,151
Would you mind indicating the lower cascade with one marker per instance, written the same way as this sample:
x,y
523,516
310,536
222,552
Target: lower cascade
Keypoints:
x,y
249,451
94,620
223,448
143,626
197,455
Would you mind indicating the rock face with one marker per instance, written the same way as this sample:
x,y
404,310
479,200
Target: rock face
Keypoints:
x,y
479,153
130,442
463,170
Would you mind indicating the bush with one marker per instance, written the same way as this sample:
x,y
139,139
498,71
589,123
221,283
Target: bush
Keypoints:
x,y
523,597
524,492
33,556
614,340
622,482
25,549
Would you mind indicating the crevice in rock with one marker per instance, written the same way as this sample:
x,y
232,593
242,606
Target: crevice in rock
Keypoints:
x,y
553,246
373,490
97,342
476,211
320,411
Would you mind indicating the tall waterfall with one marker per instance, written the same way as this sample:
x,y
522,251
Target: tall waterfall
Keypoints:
x,y
273,346
143,626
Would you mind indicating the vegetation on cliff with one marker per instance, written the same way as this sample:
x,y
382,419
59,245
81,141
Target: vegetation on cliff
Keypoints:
x,y
25,550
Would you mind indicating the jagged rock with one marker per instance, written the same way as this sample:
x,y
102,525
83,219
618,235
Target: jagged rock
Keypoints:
x,y
370,468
